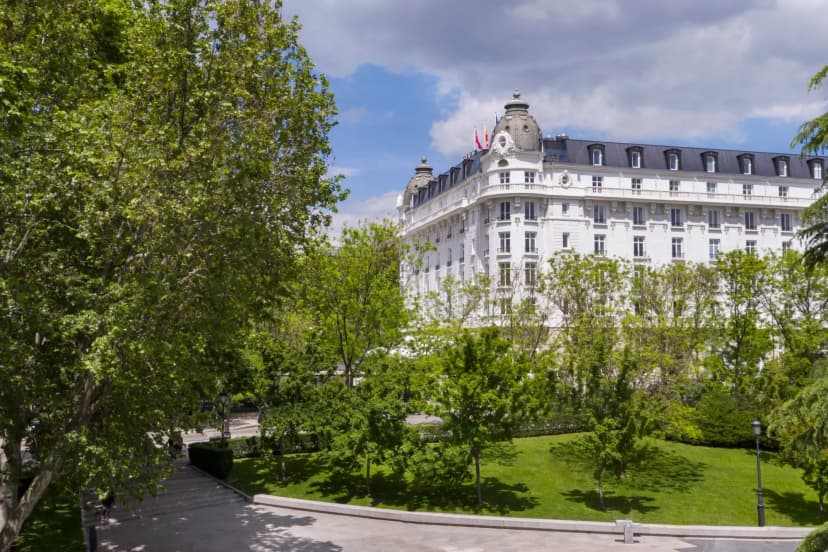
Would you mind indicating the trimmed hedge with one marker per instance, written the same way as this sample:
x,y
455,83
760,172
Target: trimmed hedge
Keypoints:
x,y
212,458
816,541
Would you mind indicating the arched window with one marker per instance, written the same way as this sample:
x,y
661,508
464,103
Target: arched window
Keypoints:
x,y
596,154
746,163
673,159
711,161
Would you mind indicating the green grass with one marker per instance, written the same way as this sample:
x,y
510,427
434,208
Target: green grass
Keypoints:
x,y
548,478
54,526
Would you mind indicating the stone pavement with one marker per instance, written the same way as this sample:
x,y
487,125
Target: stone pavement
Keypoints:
x,y
196,513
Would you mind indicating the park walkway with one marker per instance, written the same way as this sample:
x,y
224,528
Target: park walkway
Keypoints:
x,y
196,513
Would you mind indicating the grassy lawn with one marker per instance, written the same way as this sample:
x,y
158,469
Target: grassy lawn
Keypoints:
x,y
547,477
54,526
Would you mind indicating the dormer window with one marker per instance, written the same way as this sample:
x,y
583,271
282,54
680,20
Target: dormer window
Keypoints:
x,y
816,168
710,162
746,163
596,154
635,155
781,165
673,158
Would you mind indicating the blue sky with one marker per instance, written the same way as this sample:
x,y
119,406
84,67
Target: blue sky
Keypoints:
x,y
415,77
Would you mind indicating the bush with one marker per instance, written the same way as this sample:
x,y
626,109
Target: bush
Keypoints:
x,y
724,421
245,447
816,541
212,458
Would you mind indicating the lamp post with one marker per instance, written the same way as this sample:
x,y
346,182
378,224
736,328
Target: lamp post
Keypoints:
x,y
760,504
224,400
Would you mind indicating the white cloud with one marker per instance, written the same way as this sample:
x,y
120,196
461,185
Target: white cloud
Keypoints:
x,y
643,70
372,209
341,171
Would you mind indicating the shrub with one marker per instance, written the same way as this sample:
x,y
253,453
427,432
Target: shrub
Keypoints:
x,y
245,447
212,458
816,541
724,421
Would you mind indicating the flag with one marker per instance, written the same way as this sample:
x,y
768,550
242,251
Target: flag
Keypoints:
x,y
477,140
486,135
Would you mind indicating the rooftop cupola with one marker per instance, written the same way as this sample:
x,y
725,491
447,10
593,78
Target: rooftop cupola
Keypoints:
x,y
422,176
521,126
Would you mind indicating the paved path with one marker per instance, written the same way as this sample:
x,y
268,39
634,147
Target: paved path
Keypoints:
x,y
197,514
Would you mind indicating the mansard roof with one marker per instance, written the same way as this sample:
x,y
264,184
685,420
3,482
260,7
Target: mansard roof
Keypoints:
x,y
570,150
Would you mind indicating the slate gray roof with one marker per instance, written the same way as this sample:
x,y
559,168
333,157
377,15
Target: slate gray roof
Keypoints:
x,y
654,157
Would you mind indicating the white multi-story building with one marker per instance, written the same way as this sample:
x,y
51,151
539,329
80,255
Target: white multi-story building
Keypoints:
x,y
503,211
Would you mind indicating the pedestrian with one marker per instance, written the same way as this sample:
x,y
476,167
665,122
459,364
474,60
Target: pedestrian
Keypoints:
x,y
107,502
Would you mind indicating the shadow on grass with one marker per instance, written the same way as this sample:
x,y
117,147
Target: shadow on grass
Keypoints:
x,y
254,477
653,468
613,503
54,525
795,506
389,489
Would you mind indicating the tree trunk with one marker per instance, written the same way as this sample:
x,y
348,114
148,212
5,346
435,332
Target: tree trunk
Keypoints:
x,y
476,453
13,513
282,458
822,503
601,490
368,474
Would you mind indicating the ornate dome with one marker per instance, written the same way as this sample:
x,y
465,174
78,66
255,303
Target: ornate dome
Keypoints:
x,y
422,176
521,126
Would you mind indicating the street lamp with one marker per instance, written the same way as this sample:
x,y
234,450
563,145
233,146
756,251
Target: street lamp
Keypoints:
x,y
224,401
760,504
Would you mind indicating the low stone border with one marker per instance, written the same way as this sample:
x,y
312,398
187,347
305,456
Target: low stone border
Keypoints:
x,y
537,524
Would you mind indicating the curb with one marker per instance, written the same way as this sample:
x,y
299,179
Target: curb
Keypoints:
x,y
536,524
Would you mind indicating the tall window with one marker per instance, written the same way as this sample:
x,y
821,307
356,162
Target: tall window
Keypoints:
x,y
750,246
462,224
529,242
638,246
635,159
675,217
597,157
530,272
529,210
713,248
713,219
786,245
673,161
678,248
638,216
711,187
598,215
528,177
505,177
448,260
597,184
750,220
636,185
462,253
674,186
785,222
747,165
710,163
505,274
505,242
505,210
600,244
565,209
747,190
816,169
783,191
782,167
565,240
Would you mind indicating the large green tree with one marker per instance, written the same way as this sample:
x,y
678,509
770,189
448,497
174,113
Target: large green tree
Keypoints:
x,y
813,138
160,165
354,287
481,394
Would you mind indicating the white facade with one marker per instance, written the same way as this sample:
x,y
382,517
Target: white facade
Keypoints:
x,y
516,204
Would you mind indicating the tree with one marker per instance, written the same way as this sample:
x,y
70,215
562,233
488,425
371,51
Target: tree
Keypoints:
x,y
482,395
743,337
813,137
160,166
355,288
